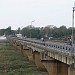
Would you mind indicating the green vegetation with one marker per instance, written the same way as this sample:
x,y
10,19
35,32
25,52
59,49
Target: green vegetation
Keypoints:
x,y
61,33
7,31
43,32
12,62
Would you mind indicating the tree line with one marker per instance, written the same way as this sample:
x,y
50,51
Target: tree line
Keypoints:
x,y
40,32
49,31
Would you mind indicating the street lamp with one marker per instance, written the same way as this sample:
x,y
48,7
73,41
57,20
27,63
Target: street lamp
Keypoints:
x,y
73,22
31,25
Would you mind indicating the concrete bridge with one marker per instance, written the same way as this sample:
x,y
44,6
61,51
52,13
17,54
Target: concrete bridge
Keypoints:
x,y
56,58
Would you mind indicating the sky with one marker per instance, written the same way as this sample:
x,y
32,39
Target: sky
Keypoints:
x,y
20,13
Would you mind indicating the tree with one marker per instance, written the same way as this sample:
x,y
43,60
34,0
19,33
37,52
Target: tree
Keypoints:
x,y
63,31
2,32
19,30
8,31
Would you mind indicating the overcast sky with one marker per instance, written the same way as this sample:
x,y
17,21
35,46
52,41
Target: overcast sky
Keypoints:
x,y
20,13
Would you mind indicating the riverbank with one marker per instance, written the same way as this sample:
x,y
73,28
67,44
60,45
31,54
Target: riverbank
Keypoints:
x,y
12,62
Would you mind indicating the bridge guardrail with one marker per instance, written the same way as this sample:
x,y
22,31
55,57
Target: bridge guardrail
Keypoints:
x,y
56,47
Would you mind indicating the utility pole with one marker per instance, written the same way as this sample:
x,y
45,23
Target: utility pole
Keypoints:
x,y
30,29
71,73
73,23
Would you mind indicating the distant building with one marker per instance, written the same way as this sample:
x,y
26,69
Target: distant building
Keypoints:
x,y
19,35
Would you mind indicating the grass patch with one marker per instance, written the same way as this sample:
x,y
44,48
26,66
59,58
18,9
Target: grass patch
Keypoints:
x,y
2,47
12,62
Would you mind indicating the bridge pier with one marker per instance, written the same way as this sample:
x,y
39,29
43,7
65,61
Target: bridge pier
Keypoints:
x,y
14,43
51,66
54,67
18,47
71,70
11,42
37,60
27,52
74,71
64,68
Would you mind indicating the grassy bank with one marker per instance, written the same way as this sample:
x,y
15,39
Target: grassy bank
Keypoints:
x,y
13,62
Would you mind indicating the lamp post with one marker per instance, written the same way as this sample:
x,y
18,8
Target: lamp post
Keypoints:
x,y
73,23
31,25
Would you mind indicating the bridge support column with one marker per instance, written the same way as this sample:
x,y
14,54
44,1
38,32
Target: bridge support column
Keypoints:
x,y
71,70
55,67
51,66
37,60
16,45
74,71
63,69
20,47
27,52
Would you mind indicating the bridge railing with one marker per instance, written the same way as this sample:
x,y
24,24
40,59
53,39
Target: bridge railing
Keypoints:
x,y
57,47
